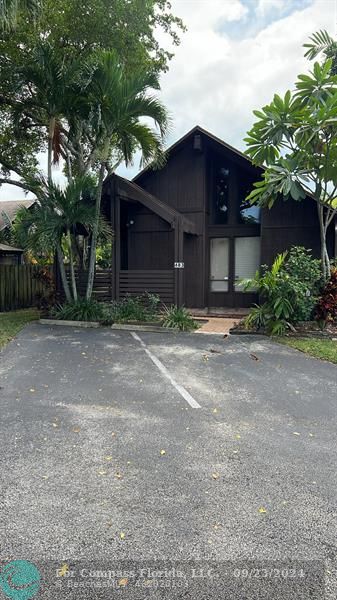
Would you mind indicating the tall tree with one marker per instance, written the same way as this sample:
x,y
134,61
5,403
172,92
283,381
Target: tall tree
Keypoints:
x,y
10,11
74,31
118,100
295,139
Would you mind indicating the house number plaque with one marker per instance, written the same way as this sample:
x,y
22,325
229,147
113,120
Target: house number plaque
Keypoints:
x,y
179,265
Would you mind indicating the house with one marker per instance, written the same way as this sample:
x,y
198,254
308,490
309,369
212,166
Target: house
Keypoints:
x,y
185,232
10,255
8,210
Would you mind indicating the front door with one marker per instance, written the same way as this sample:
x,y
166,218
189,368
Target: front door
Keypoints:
x,y
232,259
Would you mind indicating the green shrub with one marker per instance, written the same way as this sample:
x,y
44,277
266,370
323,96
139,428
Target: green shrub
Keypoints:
x,y
304,281
81,310
175,317
103,255
133,308
288,291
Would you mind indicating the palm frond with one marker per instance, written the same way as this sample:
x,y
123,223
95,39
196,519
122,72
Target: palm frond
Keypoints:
x,y
321,41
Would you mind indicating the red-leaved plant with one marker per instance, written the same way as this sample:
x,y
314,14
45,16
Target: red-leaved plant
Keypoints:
x,y
326,309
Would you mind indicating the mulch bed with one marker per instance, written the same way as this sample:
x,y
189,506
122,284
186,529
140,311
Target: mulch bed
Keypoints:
x,y
309,329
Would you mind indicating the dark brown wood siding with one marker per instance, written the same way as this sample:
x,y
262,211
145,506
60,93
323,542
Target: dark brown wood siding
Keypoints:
x,y
289,224
181,184
150,240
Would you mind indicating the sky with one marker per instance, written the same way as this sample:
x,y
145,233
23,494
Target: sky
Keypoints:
x,y
235,55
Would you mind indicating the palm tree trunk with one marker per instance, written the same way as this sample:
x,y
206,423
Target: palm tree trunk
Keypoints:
x,y
63,272
51,131
72,271
92,259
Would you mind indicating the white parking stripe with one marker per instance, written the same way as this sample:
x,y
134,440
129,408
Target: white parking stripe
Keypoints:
x,y
184,393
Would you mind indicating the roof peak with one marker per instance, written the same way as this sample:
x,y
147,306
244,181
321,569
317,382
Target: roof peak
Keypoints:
x,y
203,131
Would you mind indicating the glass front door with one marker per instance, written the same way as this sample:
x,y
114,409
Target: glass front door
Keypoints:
x,y
247,259
231,261
219,264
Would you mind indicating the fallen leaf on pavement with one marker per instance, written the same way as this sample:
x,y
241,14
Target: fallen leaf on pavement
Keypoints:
x,y
296,433
102,472
63,570
215,475
118,475
123,582
215,410
262,510
254,357
76,429
108,458
162,452
122,535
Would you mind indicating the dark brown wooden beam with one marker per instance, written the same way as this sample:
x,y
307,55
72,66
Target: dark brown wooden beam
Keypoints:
x,y
113,245
178,258
117,244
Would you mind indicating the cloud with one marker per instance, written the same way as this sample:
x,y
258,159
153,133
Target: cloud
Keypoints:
x,y
216,80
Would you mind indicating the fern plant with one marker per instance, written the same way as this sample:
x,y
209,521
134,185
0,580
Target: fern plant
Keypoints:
x,y
175,317
275,313
288,291
81,310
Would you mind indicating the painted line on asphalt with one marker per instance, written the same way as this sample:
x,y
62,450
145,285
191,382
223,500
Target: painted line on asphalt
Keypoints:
x,y
182,391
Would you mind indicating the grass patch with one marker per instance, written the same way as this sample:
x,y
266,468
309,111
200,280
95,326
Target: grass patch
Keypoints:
x,y
12,322
323,349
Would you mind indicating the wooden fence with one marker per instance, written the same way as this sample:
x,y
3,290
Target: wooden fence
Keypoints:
x,y
102,283
18,286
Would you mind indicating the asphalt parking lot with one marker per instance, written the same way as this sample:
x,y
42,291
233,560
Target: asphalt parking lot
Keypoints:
x,y
154,450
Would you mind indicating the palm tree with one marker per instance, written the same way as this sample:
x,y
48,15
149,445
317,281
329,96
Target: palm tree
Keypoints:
x,y
117,102
54,82
56,219
10,9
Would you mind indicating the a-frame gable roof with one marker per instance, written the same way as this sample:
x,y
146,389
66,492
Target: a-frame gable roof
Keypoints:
x,y
198,130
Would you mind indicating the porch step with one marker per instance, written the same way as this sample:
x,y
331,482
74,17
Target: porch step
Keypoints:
x,y
225,313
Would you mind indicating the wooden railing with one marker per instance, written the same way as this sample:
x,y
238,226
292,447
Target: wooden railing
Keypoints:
x,y
18,286
155,282
102,283
133,283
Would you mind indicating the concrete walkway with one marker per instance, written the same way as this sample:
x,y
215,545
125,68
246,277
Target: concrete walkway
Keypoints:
x,y
219,325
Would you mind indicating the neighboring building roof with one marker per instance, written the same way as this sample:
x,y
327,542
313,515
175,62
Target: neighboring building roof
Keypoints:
x,y
197,130
9,208
5,248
